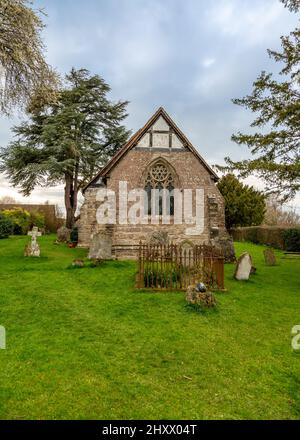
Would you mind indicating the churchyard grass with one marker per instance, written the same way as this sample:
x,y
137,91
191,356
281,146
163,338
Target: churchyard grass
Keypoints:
x,y
83,343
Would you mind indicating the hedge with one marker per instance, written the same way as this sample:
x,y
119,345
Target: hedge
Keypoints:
x,y
51,222
285,238
23,220
6,227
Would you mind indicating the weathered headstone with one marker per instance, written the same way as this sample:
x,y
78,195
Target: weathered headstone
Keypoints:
x,y
203,299
159,238
63,234
270,258
101,246
243,267
33,249
227,247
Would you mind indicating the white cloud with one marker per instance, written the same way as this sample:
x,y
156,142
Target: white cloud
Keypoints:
x,y
138,50
191,57
234,18
207,62
54,195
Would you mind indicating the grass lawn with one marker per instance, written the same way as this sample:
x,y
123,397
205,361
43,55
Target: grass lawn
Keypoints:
x,y
83,343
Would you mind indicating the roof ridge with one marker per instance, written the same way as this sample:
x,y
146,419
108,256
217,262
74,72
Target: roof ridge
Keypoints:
x,y
136,137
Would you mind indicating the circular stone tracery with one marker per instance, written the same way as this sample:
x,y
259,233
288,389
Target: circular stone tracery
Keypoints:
x,y
159,175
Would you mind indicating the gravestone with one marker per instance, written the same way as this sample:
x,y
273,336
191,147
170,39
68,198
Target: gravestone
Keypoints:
x,y
199,298
270,258
63,234
227,247
33,249
101,246
159,238
243,267
187,255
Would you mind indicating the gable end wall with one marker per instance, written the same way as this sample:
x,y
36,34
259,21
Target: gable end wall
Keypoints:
x,y
192,175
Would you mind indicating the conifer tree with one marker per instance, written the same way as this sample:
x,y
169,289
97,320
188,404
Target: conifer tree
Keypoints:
x,y
66,141
275,147
244,206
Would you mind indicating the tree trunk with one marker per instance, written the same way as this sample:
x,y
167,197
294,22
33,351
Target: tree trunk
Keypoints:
x,y
70,201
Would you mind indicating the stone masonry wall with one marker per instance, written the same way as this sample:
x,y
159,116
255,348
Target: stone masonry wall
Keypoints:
x,y
132,168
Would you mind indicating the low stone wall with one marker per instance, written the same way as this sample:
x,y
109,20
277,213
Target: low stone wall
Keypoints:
x,y
129,252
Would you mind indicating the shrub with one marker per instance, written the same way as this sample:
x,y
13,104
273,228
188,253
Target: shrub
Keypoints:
x,y
6,226
292,240
253,235
20,219
37,219
275,236
74,235
161,278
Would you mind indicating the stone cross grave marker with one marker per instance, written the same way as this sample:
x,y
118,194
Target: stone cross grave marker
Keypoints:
x,y
33,249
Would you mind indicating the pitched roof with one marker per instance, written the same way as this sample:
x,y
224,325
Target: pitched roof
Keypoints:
x,y
139,134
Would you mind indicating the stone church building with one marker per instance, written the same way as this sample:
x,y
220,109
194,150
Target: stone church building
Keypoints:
x,y
158,156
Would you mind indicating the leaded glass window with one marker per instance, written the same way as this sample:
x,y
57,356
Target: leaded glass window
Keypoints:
x,y
160,178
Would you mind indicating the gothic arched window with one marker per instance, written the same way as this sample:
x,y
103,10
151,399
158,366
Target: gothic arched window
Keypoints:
x,y
160,178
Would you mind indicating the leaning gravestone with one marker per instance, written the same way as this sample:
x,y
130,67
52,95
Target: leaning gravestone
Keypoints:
x,y
63,234
270,258
243,267
101,247
33,249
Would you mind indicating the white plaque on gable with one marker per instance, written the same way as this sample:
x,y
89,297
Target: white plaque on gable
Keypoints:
x,y
144,141
160,140
176,142
161,125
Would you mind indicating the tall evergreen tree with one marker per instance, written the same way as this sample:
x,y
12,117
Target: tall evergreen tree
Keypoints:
x,y
66,141
244,206
275,149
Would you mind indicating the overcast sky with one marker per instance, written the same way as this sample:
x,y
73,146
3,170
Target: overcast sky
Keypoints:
x,y
189,56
